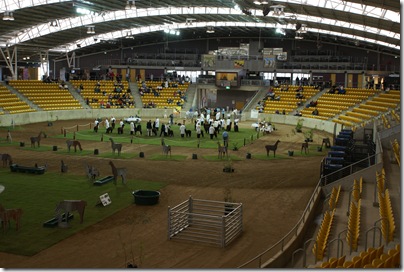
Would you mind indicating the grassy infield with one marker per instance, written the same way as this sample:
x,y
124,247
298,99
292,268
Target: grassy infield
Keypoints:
x,y
38,195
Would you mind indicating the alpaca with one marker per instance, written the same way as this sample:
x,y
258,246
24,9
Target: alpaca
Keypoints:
x,y
115,146
118,172
73,143
305,146
166,148
222,150
36,139
272,147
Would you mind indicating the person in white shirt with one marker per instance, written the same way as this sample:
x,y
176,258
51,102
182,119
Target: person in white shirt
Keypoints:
x,y
216,125
157,124
182,130
113,119
218,115
211,132
198,130
132,128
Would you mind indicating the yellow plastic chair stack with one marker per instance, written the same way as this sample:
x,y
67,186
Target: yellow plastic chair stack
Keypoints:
x,y
323,234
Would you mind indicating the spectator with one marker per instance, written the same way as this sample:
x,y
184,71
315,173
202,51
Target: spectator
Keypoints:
x,y
149,128
315,112
211,132
182,130
225,136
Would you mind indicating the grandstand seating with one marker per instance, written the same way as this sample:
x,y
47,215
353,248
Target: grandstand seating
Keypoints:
x,y
371,258
386,122
323,234
48,96
396,150
95,99
334,197
386,214
352,235
165,94
395,115
288,100
12,103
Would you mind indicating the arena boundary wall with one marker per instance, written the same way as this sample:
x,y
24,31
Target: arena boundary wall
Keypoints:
x,y
52,116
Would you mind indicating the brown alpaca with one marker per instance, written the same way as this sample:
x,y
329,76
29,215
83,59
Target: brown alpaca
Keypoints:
x,y
36,139
68,206
272,148
222,150
73,143
118,172
6,158
7,214
305,146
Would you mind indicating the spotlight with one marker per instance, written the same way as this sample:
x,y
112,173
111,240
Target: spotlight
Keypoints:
x,y
90,29
54,23
8,16
189,21
278,11
210,30
130,4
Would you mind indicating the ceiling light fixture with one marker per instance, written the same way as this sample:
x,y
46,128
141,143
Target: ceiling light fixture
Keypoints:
x,y
91,29
8,16
172,32
298,36
54,23
129,35
303,29
278,10
257,2
189,21
130,4
210,29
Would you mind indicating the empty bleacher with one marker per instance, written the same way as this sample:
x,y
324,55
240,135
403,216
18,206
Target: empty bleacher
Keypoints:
x,y
12,103
48,96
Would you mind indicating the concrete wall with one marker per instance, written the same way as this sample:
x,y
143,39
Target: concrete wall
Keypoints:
x,y
49,116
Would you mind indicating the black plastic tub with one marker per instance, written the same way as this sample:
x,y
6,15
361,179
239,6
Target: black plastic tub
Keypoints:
x,y
146,197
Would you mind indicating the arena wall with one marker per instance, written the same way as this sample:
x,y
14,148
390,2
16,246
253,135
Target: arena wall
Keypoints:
x,y
51,116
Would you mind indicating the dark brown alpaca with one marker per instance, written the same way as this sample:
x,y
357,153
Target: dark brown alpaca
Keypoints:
x,y
305,146
272,148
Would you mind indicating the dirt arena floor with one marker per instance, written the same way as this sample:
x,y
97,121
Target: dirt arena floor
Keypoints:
x,y
273,192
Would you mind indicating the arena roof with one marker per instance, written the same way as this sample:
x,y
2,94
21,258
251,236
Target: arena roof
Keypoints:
x,y
55,26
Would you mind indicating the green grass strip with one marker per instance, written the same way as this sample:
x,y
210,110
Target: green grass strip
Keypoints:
x,y
38,196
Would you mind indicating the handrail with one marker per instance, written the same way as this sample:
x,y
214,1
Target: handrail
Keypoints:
x,y
350,167
293,230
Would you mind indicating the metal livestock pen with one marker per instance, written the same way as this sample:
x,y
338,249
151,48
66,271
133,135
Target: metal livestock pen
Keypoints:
x,y
206,221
